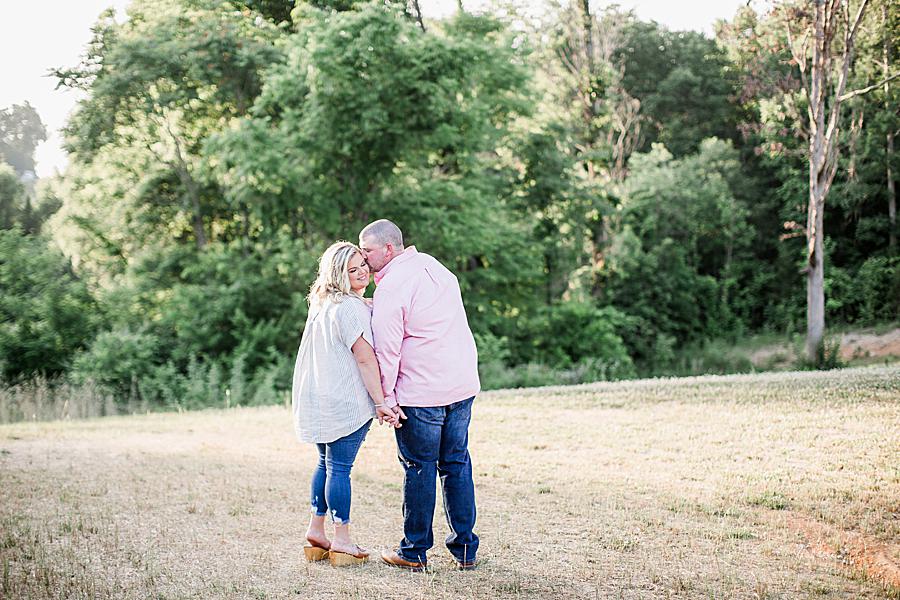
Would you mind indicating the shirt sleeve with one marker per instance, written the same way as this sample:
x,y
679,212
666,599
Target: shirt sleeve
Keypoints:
x,y
354,321
388,326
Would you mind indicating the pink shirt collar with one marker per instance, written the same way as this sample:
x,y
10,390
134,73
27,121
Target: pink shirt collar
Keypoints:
x,y
407,254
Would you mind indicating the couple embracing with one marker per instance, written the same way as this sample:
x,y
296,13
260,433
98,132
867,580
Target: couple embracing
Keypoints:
x,y
407,358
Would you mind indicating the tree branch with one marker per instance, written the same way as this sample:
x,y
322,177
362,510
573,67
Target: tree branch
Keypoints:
x,y
868,88
418,10
856,21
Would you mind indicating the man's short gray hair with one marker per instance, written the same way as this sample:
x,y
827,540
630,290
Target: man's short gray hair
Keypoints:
x,y
383,232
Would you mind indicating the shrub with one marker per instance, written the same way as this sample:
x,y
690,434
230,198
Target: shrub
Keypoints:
x,y
566,334
47,314
879,283
117,359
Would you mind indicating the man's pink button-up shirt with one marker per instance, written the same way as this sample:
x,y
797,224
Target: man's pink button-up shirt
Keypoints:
x,y
423,343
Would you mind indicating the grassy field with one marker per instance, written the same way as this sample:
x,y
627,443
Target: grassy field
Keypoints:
x,y
782,485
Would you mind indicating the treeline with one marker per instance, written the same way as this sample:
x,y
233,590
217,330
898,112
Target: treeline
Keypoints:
x,y
608,191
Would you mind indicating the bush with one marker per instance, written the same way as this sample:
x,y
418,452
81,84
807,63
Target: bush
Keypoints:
x,y
566,334
657,293
117,360
713,357
828,356
47,314
879,284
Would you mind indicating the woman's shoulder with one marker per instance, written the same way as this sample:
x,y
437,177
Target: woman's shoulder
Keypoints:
x,y
351,303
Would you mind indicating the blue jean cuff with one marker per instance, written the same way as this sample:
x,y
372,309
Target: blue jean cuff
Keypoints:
x,y
337,520
423,560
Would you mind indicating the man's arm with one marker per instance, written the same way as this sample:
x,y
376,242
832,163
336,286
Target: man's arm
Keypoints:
x,y
388,327
368,368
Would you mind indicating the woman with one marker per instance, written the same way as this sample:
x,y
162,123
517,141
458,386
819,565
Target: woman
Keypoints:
x,y
336,393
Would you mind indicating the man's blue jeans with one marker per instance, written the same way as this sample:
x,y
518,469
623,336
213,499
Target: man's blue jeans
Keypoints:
x,y
330,489
432,441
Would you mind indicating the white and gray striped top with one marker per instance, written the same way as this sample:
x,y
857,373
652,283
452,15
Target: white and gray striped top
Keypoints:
x,y
329,398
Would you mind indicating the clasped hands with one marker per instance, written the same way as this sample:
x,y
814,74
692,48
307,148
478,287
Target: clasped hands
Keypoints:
x,y
390,415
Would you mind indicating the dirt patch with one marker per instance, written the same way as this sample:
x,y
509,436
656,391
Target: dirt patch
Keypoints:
x,y
854,346
880,561
777,357
869,345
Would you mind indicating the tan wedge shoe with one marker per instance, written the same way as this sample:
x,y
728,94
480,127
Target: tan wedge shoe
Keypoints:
x,y
315,553
345,559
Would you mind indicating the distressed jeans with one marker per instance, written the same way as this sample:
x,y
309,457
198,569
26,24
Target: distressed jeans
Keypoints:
x,y
330,489
435,441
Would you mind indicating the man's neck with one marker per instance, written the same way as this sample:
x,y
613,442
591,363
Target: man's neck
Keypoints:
x,y
401,256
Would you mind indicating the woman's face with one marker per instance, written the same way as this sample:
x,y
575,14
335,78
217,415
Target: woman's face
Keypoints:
x,y
358,271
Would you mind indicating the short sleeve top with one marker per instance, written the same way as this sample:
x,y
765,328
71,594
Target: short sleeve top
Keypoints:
x,y
329,397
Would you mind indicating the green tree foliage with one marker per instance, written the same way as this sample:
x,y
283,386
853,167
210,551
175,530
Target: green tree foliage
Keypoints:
x,y
13,197
46,313
277,11
160,84
684,83
371,117
681,234
690,201
17,206
774,126
609,192
21,130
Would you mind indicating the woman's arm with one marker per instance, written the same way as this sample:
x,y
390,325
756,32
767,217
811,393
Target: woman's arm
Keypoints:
x,y
371,376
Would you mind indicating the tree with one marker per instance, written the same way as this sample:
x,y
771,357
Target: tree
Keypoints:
x,y
278,11
371,116
588,81
796,64
887,53
21,130
673,262
20,206
47,314
12,197
159,84
831,31
685,85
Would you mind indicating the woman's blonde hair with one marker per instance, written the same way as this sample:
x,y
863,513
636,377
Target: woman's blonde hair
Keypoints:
x,y
333,281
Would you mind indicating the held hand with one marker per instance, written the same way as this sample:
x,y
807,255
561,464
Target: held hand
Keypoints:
x,y
385,414
398,414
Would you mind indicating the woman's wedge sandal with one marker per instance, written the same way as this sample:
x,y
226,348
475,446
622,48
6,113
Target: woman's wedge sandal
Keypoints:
x,y
345,559
315,553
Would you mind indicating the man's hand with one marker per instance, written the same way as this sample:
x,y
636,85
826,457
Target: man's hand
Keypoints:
x,y
398,414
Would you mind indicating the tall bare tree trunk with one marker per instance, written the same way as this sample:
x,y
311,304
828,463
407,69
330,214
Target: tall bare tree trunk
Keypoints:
x,y
815,281
889,146
823,150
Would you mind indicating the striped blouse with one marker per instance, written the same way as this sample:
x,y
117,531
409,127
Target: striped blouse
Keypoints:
x,y
329,397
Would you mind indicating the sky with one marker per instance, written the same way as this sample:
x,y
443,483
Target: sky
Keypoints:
x,y
38,36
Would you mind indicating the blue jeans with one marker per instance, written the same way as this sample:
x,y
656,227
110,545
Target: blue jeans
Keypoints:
x,y
432,441
330,493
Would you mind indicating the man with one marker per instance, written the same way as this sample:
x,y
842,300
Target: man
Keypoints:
x,y
429,372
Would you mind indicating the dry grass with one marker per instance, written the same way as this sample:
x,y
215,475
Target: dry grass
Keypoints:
x,y
714,487
44,400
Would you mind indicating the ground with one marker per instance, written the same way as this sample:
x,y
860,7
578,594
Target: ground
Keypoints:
x,y
860,347
870,345
779,485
